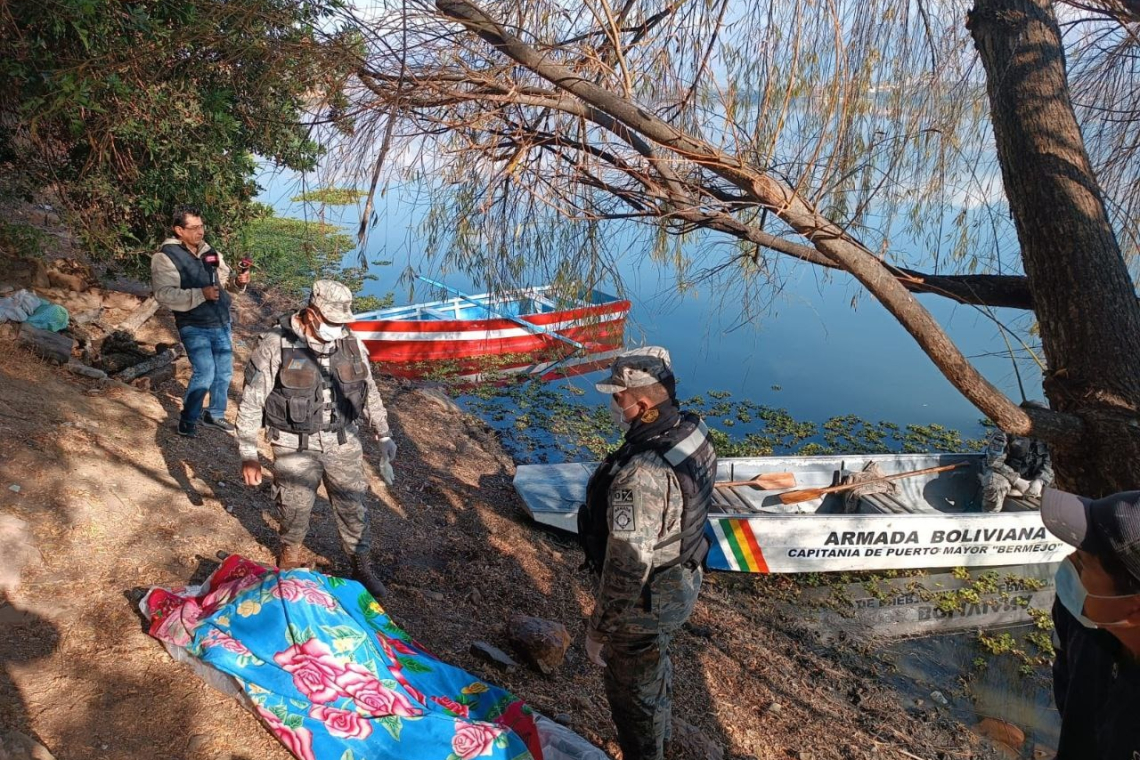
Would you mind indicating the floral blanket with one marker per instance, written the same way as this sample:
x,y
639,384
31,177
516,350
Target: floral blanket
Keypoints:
x,y
331,675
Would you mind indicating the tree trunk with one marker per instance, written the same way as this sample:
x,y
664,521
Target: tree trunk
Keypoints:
x,y
47,344
139,316
150,365
1084,297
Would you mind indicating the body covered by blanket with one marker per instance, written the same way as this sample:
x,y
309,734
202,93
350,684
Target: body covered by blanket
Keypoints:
x,y
331,675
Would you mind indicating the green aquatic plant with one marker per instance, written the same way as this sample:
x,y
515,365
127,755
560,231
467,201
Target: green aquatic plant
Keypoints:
x,y
330,196
559,425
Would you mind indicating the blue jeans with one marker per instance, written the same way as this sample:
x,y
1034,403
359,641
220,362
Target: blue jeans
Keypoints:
x,y
211,355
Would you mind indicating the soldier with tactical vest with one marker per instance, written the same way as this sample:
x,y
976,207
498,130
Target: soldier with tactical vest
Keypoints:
x,y
308,384
1015,466
190,278
642,529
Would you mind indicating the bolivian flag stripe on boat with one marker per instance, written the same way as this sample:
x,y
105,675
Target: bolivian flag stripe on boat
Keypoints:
x,y
743,553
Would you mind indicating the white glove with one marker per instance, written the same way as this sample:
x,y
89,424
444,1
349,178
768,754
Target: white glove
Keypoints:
x,y
387,474
1034,490
594,649
1021,485
388,448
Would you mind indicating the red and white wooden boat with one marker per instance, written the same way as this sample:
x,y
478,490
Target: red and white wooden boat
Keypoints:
x,y
531,331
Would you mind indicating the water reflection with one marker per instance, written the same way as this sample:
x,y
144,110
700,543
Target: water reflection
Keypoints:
x,y
998,693
939,603
927,629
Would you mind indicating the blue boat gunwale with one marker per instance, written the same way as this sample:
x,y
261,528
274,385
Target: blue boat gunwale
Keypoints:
x,y
462,310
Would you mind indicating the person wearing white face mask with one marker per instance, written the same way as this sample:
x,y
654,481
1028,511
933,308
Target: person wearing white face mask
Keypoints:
x,y
642,529
1096,675
308,384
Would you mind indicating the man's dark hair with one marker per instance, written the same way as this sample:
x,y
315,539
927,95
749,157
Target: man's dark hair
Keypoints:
x,y
1125,582
180,213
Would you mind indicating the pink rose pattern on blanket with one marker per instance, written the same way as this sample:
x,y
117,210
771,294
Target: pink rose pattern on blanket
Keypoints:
x,y
332,676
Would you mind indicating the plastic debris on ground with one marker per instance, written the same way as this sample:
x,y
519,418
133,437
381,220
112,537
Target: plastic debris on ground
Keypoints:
x,y
19,306
49,316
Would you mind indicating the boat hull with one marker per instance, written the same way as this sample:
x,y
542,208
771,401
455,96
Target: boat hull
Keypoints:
x,y
849,543
406,344
750,530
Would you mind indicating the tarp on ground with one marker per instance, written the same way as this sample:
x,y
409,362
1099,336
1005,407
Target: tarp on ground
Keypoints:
x,y
25,306
19,306
334,678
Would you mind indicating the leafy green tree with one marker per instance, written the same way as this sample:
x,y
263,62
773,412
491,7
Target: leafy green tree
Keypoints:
x,y
131,108
290,254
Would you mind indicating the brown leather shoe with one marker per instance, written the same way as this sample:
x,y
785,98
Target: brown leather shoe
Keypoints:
x,y
289,557
362,572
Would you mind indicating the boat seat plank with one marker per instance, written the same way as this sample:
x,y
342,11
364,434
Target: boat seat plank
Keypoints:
x,y
721,503
1021,504
738,502
887,504
436,313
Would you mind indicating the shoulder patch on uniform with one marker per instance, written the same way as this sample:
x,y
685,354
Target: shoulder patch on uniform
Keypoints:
x,y
623,510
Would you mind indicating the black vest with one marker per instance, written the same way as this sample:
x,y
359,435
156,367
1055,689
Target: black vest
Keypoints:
x,y
687,450
195,274
1027,455
297,402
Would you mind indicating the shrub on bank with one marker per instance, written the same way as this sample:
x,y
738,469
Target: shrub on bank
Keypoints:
x,y
288,254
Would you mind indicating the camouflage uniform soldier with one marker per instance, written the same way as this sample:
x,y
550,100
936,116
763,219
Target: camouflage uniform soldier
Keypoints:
x,y
1015,466
308,383
642,528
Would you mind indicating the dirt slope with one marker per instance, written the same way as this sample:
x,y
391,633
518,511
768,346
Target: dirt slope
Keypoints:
x,y
117,502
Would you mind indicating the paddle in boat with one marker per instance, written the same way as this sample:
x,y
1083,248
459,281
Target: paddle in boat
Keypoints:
x,y
932,519
532,331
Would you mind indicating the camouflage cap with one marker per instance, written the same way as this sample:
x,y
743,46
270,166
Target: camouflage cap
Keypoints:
x,y
333,300
638,368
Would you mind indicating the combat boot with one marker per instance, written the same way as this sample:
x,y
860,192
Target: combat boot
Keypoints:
x,y
289,557
362,572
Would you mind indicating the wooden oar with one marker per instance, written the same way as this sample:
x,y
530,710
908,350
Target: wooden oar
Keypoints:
x,y
807,494
769,481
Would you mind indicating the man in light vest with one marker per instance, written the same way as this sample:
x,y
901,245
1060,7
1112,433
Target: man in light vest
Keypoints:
x,y
642,529
308,384
190,278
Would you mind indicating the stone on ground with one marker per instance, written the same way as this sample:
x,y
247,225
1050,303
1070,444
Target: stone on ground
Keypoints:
x,y
542,643
493,655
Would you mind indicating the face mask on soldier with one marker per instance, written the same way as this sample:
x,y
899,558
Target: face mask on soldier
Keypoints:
x,y
617,414
328,333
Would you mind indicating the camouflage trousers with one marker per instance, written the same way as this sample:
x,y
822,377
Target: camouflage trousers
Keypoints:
x,y
994,490
340,466
639,672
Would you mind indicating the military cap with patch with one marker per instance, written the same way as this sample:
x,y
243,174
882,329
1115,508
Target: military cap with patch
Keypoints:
x,y
333,300
637,368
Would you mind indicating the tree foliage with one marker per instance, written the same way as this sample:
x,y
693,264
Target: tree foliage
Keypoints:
x,y
131,108
854,135
289,254
871,111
